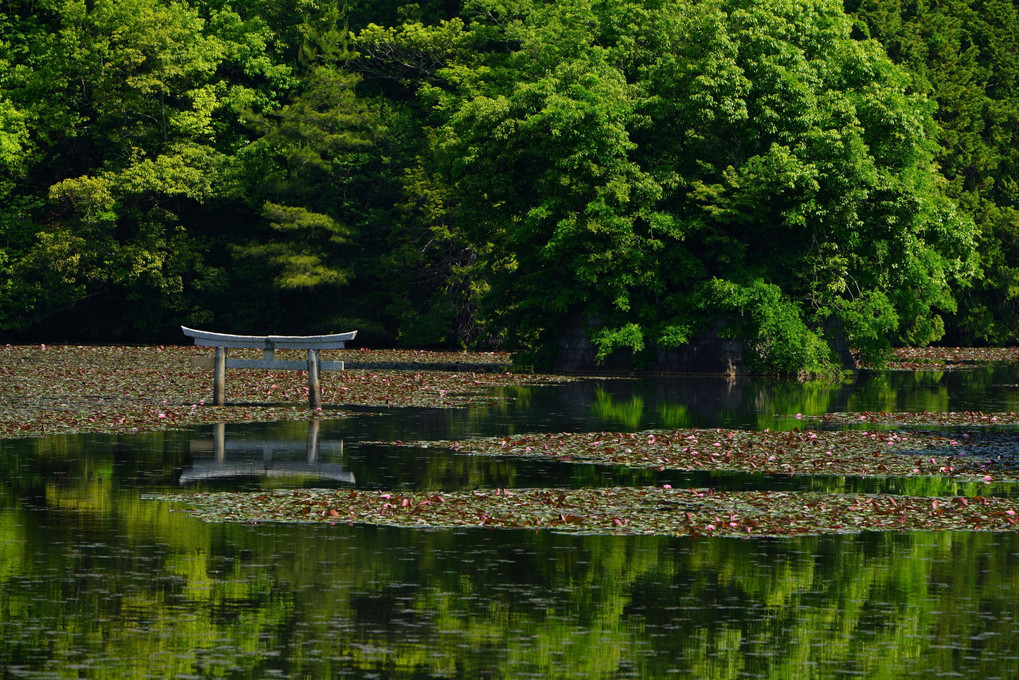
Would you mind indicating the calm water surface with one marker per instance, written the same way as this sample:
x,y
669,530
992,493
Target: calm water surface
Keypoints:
x,y
97,582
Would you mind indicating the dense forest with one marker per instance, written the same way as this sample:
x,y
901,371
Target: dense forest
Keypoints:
x,y
494,173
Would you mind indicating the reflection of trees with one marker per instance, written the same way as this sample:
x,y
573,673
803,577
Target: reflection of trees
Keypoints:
x,y
95,581
875,604
704,401
698,401
158,593
619,413
12,544
937,391
901,391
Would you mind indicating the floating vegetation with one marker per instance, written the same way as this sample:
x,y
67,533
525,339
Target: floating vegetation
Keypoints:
x,y
947,358
62,389
849,452
642,510
922,418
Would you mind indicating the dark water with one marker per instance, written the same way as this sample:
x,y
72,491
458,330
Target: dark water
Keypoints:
x,y
97,582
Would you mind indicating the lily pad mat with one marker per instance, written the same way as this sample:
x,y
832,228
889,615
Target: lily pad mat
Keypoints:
x,y
667,511
63,389
923,419
950,358
623,510
796,452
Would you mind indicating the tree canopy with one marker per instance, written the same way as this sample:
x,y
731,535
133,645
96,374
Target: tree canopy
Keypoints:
x,y
499,172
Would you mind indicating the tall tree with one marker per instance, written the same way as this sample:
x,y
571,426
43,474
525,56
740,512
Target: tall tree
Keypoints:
x,y
638,167
15,148
128,101
964,54
299,241
318,184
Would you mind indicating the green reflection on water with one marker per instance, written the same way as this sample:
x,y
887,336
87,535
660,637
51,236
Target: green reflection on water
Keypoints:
x,y
176,597
96,582
627,414
703,402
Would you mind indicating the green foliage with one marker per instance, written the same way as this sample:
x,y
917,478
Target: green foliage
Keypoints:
x,y
773,325
962,54
127,150
302,181
608,340
297,263
506,171
600,169
816,170
871,321
14,141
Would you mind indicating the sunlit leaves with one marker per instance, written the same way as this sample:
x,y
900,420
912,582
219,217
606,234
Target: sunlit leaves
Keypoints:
x,y
826,190
301,259
124,97
411,52
773,325
963,55
149,101
757,144
14,142
184,171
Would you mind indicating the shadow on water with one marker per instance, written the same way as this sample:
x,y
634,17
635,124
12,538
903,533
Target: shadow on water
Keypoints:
x,y
97,583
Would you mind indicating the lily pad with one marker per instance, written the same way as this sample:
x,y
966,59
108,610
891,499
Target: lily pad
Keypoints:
x,y
950,358
829,452
62,389
921,418
622,510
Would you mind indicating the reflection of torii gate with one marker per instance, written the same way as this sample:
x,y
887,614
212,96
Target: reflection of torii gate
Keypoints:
x,y
219,467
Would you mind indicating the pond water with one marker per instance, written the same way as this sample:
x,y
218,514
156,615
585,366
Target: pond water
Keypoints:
x,y
98,582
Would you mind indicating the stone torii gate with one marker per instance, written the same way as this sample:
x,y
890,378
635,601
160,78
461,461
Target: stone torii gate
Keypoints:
x,y
268,344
